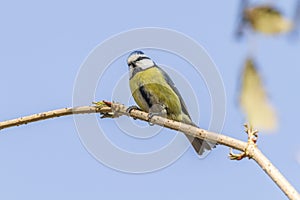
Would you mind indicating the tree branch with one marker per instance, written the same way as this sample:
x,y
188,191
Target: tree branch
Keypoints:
x,y
108,109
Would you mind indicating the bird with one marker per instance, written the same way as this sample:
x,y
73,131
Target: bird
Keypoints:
x,y
154,92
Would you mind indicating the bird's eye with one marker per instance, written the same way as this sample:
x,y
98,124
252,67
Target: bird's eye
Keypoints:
x,y
141,58
131,64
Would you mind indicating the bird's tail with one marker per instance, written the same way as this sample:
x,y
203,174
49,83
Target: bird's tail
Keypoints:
x,y
199,145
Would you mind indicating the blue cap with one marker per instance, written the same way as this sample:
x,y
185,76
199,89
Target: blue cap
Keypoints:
x,y
136,52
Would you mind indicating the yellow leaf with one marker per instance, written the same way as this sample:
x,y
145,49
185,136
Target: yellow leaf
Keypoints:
x,y
254,101
268,20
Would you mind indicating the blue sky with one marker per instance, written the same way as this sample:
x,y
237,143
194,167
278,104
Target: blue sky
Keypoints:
x,y
43,45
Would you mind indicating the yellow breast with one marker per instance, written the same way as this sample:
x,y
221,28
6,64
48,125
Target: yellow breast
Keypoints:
x,y
149,87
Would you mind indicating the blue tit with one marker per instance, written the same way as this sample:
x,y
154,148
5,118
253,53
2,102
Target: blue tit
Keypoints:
x,y
154,91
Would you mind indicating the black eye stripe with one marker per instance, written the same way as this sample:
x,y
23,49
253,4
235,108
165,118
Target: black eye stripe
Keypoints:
x,y
141,58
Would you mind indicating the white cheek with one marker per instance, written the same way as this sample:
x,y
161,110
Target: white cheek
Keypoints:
x,y
144,64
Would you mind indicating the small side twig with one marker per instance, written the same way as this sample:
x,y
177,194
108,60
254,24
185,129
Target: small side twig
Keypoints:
x,y
252,139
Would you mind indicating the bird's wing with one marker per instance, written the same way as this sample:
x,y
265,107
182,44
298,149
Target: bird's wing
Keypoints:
x,y
172,85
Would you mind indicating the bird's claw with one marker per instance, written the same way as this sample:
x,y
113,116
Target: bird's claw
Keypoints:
x,y
130,108
150,116
156,110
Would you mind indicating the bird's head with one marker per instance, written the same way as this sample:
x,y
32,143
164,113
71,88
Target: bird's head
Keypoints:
x,y
138,59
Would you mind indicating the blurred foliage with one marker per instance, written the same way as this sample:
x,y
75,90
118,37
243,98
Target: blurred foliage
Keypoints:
x,y
254,100
266,19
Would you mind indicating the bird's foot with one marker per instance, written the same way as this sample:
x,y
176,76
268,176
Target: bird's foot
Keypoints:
x,y
156,110
130,108
150,116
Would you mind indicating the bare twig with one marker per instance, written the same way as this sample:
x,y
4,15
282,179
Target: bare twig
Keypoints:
x,y
252,139
112,110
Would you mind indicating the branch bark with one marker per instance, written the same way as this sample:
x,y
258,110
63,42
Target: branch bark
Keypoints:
x,y
115,110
